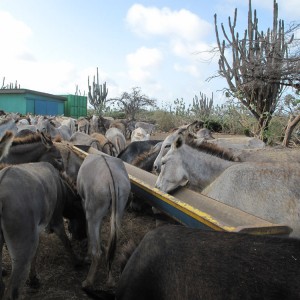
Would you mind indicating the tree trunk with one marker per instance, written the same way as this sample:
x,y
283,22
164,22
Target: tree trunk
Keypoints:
x,y
293,121
263,126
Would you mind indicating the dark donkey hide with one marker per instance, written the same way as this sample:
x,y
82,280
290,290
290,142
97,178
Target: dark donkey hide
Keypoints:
x,y
134,149
176,262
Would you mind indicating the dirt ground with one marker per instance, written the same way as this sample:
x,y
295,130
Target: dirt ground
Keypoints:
x,y
59,279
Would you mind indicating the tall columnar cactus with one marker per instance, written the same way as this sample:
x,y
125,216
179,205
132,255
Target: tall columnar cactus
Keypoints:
x,y
259,66
203,106
10,85
97,95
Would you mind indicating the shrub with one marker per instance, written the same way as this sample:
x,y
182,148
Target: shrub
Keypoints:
x,y
164,120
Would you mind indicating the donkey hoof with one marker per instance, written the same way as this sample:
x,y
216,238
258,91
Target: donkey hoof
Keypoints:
x,y
86,284
33,283
79,264
4,272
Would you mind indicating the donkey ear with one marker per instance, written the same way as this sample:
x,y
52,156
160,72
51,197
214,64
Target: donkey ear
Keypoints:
x,y
193,127
46,140
179,141
5,143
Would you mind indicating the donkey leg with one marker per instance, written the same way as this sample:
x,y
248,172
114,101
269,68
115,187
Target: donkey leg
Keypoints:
x,y
59,229
94,246
21,257
33,280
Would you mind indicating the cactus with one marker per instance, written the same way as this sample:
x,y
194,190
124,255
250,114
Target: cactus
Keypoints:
x,y
259,67
10,85
202,107
97,95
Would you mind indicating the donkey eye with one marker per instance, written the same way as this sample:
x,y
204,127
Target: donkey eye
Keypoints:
x,y
163,162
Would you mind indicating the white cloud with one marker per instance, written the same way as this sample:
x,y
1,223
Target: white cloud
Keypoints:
x,y
199,51
184,32
14,35
182,29
181,24
190,69
142,62
18,62
51,77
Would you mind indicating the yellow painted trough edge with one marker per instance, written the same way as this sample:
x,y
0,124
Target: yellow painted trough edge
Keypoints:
x,y
186,208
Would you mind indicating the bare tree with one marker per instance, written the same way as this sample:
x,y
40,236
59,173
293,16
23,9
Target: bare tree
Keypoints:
x,y
97,95
291,105
132,103
261,66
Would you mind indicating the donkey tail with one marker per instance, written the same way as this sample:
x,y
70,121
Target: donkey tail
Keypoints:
x,y
114,228
114,223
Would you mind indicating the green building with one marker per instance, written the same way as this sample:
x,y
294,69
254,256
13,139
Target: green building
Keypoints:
x,y
26,101
75,106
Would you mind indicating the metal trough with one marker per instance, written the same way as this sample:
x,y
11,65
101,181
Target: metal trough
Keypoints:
x,y
194,209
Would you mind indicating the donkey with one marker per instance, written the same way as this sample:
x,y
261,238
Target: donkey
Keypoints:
x,y
107,146
134,149
103,184
96,125
83,125
81,138
183,130
176,262
145,160
117,138
33,196
267,190
47,125
7,123
139,134
33,148
5,143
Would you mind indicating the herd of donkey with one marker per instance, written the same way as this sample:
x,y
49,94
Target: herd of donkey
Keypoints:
x,y
43,181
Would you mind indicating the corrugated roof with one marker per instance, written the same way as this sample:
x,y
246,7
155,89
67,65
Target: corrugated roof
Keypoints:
x,y
26,91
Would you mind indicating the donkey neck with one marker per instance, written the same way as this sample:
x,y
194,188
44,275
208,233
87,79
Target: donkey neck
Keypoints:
x,y
202,168
23,153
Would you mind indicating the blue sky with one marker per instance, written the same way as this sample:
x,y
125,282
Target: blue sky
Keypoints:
x,y
52,46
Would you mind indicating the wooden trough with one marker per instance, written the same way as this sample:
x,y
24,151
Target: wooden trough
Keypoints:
x,y
194,209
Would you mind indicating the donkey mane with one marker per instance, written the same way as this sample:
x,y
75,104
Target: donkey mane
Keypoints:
x,y
68,180
28,139
143,156
3,165
58,139
210,148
